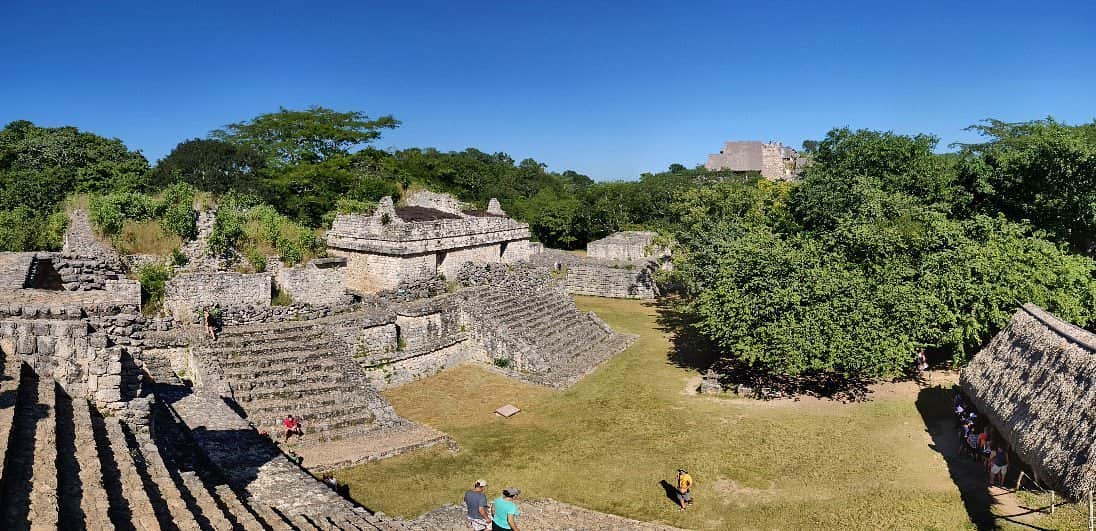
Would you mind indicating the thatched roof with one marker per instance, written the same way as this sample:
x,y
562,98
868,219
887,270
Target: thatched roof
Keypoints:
x,y
1034,383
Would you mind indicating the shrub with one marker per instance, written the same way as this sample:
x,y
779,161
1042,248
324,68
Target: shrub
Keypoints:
x,y
502,363
256,258
152,278
178,259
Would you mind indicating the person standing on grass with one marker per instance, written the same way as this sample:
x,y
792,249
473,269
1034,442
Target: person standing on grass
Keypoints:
x,y
478,510
506,511
684,488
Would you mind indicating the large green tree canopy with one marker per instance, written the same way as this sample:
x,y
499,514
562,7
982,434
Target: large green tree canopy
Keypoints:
x,y
875,255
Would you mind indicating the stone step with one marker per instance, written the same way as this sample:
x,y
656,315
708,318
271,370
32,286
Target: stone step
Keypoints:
x,y
43,497
94,504
306,381
245,519
290,365
288,394
172,508
19,468
272,348
311,416
236,335
9,390
140,510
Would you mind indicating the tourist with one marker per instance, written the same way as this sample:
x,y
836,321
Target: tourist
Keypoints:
x,y
506,511
292,427
330,480
476,502
999,465
985,446
207,321
684,488
922,361
296,458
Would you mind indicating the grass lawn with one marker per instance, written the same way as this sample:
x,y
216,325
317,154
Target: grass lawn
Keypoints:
x,y
607,442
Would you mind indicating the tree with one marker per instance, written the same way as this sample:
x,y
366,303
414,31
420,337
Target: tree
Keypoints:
x,y
1041,170
211,165
313,135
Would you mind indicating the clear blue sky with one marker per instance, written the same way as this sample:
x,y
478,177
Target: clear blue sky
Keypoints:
x,y
607,89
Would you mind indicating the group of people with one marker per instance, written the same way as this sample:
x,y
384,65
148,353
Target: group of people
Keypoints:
x,y
500,514
981,443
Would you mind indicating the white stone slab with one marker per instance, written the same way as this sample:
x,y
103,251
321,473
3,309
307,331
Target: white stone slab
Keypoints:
x,y
507,411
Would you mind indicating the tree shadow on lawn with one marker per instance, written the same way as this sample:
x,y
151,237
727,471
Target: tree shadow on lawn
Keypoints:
x,y
691,350
934,404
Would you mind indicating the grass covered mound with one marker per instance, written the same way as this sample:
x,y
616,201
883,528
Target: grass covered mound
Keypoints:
x,y
606,443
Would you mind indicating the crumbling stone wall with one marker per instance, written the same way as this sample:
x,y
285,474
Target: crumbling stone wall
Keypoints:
x,y
319,282
436,201
369,273
620,281
625,246
188,291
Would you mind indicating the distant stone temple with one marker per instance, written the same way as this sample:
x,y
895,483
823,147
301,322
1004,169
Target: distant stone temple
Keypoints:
x,y
774,160
434,234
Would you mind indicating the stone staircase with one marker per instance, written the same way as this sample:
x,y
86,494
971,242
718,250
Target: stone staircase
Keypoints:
x,y
543,515
196,250
63,465
277,369
554,343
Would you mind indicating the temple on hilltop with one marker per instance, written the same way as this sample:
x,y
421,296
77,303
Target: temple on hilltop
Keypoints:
x,y
774,160
434,234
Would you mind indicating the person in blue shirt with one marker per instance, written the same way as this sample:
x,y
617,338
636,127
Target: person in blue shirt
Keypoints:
x,y
506,511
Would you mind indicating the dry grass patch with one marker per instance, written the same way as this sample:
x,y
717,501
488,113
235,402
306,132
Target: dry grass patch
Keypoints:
x,y
607,442
145,237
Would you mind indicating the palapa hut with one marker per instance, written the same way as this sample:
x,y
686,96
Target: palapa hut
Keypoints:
x,y
1034,383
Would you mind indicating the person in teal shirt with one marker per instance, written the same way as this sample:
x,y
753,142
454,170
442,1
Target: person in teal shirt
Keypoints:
x,y
506,511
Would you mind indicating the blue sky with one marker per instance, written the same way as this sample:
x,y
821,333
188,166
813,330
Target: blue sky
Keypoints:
x,y
610,89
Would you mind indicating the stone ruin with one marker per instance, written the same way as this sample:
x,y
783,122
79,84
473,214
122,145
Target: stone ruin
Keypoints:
x,y
110,418
773,160
433,235
622,265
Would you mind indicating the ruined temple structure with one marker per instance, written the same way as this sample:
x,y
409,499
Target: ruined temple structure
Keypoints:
x,y
110,418
621,265
773,160
432,235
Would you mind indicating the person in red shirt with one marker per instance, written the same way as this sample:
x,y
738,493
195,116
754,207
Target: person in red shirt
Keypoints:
x,y
292,427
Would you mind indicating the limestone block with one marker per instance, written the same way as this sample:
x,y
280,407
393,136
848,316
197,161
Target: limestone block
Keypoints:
x,y
45,345
27,344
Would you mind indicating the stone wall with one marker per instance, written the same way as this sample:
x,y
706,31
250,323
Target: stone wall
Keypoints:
x,y
436,201
368,273
449,262
188,291
626,246
90,355
620,281
428,336
321,281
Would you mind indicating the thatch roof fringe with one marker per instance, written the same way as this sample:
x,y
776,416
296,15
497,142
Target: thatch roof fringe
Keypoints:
x,y
1034,383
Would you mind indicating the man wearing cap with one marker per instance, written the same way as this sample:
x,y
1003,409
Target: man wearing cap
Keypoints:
x,y
476,501
506,511
684,485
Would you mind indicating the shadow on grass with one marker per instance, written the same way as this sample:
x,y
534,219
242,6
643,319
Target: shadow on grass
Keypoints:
x,y
671,492
934,404
691,350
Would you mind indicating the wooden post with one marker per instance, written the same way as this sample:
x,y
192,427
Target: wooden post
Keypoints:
x,y
1019,480
1092,520
1052,502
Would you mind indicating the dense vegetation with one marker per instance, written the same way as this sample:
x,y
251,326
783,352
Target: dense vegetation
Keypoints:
x,y
885,246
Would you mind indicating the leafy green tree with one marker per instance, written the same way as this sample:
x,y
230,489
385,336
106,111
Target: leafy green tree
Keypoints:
x,y
288,137
211,165
1042,170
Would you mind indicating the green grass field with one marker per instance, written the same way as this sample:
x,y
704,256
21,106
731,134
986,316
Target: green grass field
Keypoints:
x,y
608,442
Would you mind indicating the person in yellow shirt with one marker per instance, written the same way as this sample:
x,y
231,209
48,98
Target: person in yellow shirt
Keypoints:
x,y
684,486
